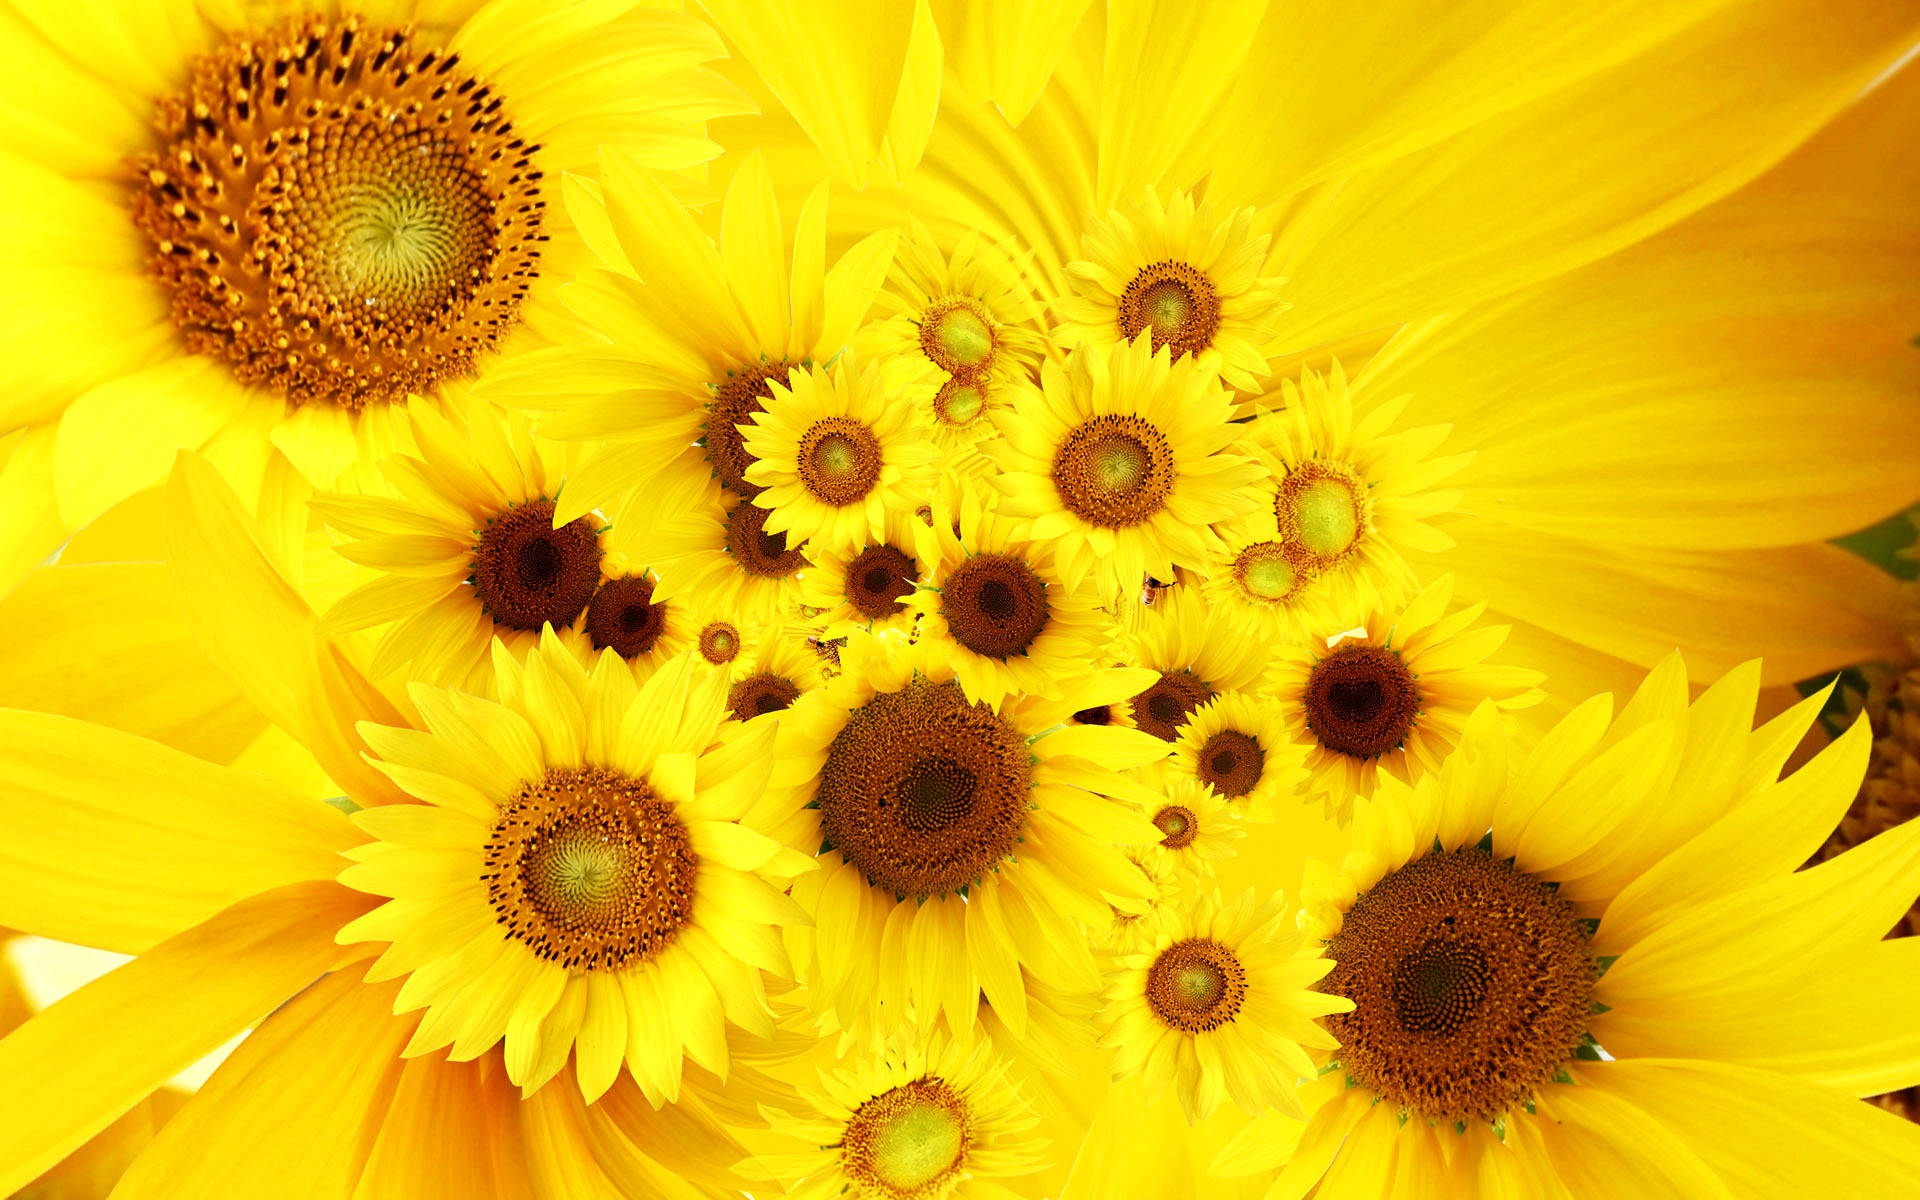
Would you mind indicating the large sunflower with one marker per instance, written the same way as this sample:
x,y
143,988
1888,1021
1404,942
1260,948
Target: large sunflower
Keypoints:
x,y
1596,966
257,227
1124,461
230,890
983,835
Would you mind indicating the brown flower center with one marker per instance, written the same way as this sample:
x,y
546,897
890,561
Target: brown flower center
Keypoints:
x,y
877,578
757,695
624,616
1174,300
719,642
1178,826
757,551
1361,701
994,605
527,574
839,460
1196,986
923,792
338,213
735,400
1165,706
1114,471
590,870
1472,984
1231,762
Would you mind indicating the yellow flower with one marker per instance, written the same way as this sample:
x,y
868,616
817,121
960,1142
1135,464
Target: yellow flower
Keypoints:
x,y
729,564
964,334
997,600
1239,746
1194,823
1598,961
832,454
1179,273
941,1121
770,670
1124,462
1221,1007
1135,921
674,367
982,835
1197,658
1390,696
257,227
865,588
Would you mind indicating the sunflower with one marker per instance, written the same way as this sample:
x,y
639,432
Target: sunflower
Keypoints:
x,y
1181,274
1197,658
672,370
865,587
1350,500
1196,827
1123,461
980,834
1390,696
832,454
964,333
997,599
1221,1007
941,1121
770,670
729,564
225,887
1597,965
1239,746
467,551
259,227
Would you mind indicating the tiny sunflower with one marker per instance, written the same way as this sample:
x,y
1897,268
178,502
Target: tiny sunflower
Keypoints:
x,y
575,878
1197,658
998,599
1222,1006
865,587
730,565
939,1122
1195,825
1391,695
1238,744
771,669
1124,460
832,454
1189,279
1600,961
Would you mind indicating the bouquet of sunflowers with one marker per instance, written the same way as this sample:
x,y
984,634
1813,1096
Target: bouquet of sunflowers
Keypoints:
x,y
959,600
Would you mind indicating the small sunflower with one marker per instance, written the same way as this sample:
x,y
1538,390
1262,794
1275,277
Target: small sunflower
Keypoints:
x,y
833,454
1599,961
865,587
982,833
998,599
729,564
1197,658
467,550
964,333
1195,825
1187,278
1390,696
676,367
770,670
1238,744
939,1122
1350,500
1221,1007
575,878
1124,460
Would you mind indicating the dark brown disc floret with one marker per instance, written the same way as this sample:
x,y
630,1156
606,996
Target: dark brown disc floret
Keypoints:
x,y
1231,763
1178,826
1361,700
757,551
735,401
1177,302
758,695
527,574
839,461
1472,984
719,642
877,578
590,870
924,792
340,211
624,616
1196,985
994,604
1164,707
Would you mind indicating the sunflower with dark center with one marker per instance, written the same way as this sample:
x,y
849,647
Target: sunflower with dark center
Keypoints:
x,y
1013,623
624,616
1238,746
1126,460
1176,275
1539,938
835,455
1220,1006
944,808
1392,696
527,574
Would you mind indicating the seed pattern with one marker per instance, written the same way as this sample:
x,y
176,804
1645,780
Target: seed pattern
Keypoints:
x,y
1361,701
528,574
994,604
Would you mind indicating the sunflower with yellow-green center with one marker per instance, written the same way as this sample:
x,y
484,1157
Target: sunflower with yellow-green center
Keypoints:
x,y
1598,960
1196,826
1182,275
1124,460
